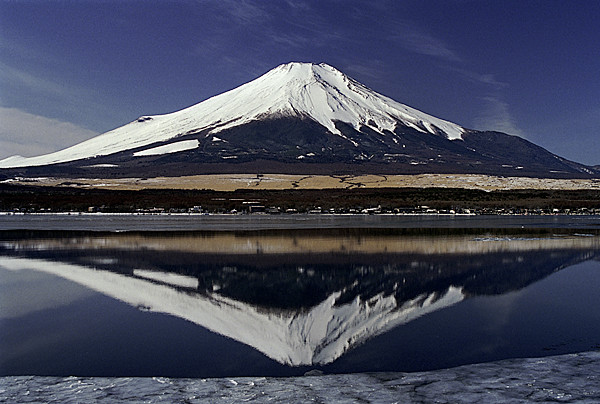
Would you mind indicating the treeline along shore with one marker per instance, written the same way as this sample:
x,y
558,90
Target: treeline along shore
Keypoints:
x,y
31,198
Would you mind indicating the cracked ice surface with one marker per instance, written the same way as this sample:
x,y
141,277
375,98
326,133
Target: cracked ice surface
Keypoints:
x,y
565,379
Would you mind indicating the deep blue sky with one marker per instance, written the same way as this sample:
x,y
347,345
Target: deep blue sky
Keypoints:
x,y
71,69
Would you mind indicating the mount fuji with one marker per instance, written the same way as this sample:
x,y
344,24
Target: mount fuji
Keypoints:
x,y
299,118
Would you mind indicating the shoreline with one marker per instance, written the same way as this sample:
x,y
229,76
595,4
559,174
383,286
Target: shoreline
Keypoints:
x,y
375,201
568,377
269,215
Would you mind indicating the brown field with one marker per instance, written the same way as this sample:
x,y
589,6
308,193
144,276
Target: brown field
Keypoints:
x,y
232,182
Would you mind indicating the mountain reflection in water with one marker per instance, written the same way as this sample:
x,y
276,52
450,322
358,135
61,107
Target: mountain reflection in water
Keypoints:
x,y
299,297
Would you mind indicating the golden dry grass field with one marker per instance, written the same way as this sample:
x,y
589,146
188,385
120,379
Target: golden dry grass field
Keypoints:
x,y
232,182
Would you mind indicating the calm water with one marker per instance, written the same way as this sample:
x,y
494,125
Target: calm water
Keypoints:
x,y
284,302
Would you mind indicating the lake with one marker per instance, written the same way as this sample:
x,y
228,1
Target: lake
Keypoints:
x,y
218,296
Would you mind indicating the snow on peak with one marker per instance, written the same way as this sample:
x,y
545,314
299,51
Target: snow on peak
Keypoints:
x,y
316,91
325,94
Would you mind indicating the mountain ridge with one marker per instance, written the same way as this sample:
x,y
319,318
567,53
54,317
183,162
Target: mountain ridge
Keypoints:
x,y
305,113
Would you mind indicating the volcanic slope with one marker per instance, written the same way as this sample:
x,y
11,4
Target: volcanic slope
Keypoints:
x,y
299,118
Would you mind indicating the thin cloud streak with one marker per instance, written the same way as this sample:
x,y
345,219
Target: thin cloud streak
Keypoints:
x,y
371,70
12,75
415,40
25,134
479,78
496,116
241,11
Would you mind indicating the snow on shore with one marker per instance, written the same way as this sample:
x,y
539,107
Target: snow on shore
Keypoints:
x,y
565,378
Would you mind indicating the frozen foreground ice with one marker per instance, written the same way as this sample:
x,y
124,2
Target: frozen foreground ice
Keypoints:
x,y
565,379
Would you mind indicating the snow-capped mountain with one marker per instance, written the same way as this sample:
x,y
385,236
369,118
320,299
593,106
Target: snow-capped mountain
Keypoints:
x,y
299,117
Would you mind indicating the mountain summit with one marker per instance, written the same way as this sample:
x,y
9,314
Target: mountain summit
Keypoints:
x,y
298,118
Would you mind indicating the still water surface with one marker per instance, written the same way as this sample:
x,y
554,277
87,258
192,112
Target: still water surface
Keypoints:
x,y
283,302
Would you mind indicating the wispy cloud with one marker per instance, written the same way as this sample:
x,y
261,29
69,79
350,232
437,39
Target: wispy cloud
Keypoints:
x,y
479,78
25,134
298,5
23,78
240,11
496,116
564,133
22,50
258,26
418,41
373,69
495,113
65,96
30,69
289,40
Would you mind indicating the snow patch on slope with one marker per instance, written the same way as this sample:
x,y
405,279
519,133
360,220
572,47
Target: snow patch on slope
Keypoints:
x,y
169,148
